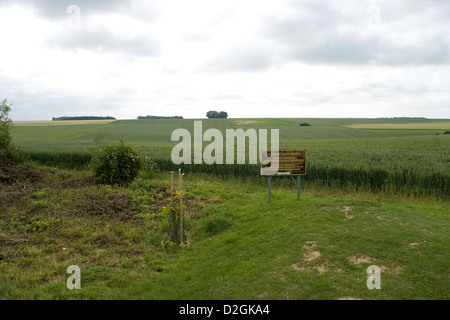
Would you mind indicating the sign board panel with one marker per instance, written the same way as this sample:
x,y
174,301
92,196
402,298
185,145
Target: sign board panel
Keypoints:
x,y
290,163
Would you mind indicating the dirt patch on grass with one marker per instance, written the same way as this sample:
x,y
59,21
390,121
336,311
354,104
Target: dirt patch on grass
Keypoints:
x,y
347,212
311,254
244,122
10,172
360,259
297,267
349,298
17,180
322,268
99,201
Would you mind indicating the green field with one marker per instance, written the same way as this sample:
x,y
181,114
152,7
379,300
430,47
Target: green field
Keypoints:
x,y
410,162
370,197
239,247
156,132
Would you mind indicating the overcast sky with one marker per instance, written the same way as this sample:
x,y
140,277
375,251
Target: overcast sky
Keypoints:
x,y
251,58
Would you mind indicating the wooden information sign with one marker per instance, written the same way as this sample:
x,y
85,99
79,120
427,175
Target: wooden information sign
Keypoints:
x,y
290,162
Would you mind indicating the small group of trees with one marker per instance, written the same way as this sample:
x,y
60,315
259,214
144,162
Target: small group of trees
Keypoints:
x,y
159,117
215,114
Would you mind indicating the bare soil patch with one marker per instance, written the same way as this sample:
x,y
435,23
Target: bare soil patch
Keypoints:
x,y
360,259
347,212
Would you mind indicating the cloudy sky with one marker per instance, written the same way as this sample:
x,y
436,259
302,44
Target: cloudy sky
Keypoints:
x,y
251,58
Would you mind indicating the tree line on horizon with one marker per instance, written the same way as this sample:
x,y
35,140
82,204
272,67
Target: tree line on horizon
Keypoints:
x,y
83,118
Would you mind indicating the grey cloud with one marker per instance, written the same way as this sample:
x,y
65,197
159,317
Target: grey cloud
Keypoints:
x,y
45,104
32,101
103,40
242,58
333,49
321,33
57,9
432,50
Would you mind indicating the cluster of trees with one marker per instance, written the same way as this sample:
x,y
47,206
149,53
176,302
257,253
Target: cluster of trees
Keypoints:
x,y
215,114
159,117
83,118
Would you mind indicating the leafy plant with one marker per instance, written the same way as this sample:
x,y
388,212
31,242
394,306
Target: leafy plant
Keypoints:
x,y
6,147
148,168
172,211
116,163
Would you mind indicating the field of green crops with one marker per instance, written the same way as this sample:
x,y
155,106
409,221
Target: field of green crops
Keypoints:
x,y
405,161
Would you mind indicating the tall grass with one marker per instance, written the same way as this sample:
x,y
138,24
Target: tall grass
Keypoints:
x,y
418,166
65,159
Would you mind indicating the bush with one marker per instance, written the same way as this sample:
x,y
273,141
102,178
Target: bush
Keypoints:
x,y
6,147
304,124
116,163
447,132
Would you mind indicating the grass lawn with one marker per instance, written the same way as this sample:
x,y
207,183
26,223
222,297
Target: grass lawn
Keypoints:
x,y
240,247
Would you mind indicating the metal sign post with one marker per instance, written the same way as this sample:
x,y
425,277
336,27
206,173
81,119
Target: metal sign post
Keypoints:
x,y
270,188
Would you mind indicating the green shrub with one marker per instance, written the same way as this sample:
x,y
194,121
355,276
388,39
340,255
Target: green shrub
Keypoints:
x,y
447,132
304,124
6,147
172,212
148,168
5,125
116,163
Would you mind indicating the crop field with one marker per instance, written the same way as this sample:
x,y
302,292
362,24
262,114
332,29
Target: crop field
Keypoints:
x,y
369,198
58,123
153,132
408,162
404,126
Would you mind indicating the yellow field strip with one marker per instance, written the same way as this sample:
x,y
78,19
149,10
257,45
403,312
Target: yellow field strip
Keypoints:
x,y
416,126
59,123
